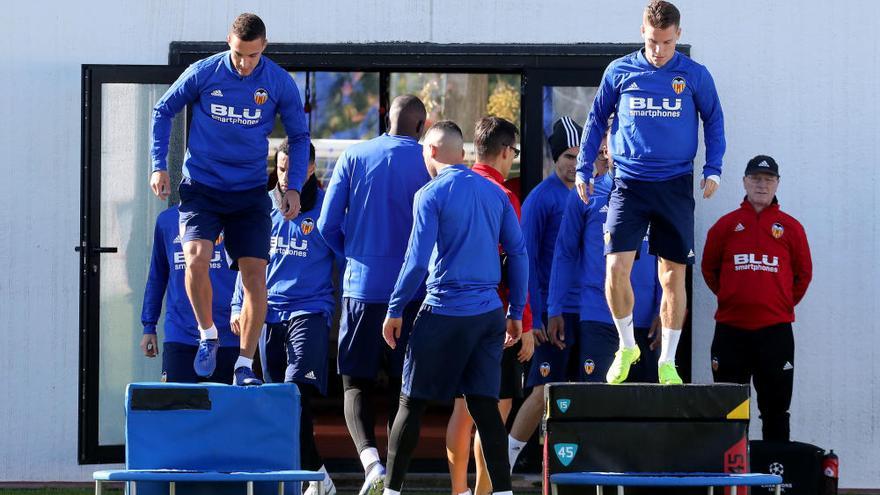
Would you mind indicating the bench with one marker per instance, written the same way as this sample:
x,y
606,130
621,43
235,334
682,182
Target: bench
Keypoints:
x,y
621,480
173,476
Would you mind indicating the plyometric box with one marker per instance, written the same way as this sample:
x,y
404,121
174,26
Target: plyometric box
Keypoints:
x,y
212,427
644,428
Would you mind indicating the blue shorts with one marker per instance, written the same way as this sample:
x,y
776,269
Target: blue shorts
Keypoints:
x,y
454,355
177,364
362,350
243,218
667,206
295,351
550,363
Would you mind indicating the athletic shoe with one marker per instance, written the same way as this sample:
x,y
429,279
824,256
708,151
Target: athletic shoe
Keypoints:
x,y
375,482
206,357
668,374
623,359
329,487
245,377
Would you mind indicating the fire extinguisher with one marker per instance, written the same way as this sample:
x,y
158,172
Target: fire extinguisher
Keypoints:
x,y
830,473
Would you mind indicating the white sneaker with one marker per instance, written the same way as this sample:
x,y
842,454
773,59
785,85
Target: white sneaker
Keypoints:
x,y
329,487
374,484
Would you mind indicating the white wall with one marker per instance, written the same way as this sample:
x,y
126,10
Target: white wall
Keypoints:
x,y
797,81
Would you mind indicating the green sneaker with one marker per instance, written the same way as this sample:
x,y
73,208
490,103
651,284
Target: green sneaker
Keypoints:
x,y
623,359
668,374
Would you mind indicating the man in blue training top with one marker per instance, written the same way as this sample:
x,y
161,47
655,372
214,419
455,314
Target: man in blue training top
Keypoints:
x,y
181,343
234,96
659,96
459,334
367,217
293,347
542,214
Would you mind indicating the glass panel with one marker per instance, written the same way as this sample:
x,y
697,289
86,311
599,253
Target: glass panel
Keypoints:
x,y
128,213
559,101
344,109
464,98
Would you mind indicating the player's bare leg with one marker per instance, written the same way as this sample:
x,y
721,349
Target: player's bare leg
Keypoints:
x,y
459,434
197,255
253,315
526,422
619,292
673,307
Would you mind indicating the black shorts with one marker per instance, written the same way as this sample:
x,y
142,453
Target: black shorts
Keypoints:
x,y
511,373
667,206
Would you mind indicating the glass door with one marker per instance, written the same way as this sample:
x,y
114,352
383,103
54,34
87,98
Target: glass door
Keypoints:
x,y
118,214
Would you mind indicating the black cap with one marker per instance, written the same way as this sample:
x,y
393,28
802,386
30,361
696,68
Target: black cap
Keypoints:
x,y
566,134
762,164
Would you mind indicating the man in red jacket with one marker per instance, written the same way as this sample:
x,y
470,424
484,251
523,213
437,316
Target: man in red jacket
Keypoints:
x,y
757,261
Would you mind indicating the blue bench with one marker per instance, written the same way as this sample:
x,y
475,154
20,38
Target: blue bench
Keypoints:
x,y
621,480
173,476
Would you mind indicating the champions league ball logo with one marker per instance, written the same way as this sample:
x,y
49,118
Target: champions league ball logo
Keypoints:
x,y
678,85
776,468
260,96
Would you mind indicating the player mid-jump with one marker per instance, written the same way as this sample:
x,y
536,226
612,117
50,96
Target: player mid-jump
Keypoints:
x,y
659,96
234,96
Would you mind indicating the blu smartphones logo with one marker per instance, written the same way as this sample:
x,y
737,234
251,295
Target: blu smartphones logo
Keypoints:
x,y
565,452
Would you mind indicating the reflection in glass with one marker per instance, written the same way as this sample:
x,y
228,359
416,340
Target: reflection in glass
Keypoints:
x,y
573,101
128,213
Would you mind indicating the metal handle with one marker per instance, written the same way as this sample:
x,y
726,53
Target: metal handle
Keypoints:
x,y
97,250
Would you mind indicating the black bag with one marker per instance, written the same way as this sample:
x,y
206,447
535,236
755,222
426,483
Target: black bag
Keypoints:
x,y
799,464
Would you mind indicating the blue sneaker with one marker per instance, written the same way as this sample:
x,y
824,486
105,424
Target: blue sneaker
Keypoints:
x,y
374,484
206,357
245,377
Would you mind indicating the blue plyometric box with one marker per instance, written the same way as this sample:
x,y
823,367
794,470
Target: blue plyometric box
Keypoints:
x,y
212,427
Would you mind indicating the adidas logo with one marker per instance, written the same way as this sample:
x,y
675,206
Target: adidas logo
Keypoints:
x,y
176,240
788,366
311,375
603,209
739,228
216,92
691,254
633,87
764,164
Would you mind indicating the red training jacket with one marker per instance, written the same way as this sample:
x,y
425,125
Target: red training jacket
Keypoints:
x,y
759,266
495,177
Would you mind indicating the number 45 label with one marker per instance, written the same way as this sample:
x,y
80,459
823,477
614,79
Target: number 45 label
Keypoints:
x,y
565,452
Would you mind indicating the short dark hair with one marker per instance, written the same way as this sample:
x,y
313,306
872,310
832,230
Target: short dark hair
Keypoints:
x,y
447,126
248,27
661,14
284,147
492,135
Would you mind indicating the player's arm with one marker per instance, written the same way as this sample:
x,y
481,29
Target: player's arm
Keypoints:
x,y
293,118
183,92
154,292
335,206
565,267
512,242
594,130
235,305
713,253
802,266
709,107
533,219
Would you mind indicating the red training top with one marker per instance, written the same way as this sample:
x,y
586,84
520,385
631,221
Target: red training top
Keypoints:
x,y
759,266
495,177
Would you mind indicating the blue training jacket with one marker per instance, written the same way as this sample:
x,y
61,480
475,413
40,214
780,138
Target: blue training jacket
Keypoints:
x,y
368,213
232,117
299,276
654,135
166,278
460,218
580,255
541,216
